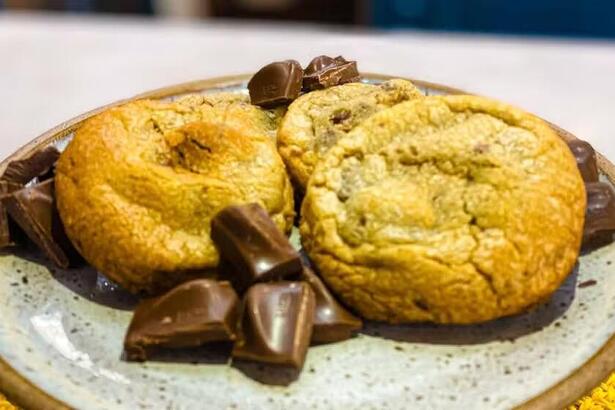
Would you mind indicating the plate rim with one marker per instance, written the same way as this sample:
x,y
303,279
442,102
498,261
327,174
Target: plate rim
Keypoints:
x,y
581,380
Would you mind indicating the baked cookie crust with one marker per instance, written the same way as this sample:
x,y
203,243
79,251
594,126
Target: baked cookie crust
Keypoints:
x,y
317,120
452,209
138,185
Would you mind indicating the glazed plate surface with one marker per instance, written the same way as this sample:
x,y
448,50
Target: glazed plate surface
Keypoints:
x,y
61,334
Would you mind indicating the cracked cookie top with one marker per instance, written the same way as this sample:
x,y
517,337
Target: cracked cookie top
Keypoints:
x,y
317,120
454,209
138,185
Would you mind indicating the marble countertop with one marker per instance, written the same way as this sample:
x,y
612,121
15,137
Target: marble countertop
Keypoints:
x,y
54,67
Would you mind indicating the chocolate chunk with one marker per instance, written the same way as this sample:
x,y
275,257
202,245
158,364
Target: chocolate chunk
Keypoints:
x,y
276,84
599,214
6,230
318,63
249,240
276,323
192,314
586,159
324,72
332,322
39,164
33,209
340,116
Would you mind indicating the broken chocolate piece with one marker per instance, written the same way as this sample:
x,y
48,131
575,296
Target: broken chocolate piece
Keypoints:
x,y
599,214
318,63
6,239
190,315
39,164
586,159
324,72
249,240
276,84
332,322
33,209
276,324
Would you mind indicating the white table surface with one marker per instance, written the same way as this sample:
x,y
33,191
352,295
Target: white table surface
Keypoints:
x,y
53,68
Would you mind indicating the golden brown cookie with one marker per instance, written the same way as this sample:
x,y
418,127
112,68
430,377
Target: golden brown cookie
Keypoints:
x,y
138,185
315,121
269,118
455,209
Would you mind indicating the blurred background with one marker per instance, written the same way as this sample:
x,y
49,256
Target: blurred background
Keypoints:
x,y
584,18
60,58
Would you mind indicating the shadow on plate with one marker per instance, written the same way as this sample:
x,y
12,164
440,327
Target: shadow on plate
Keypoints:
x,y
95,287
219,353
504,329
211,353
267,374
597,242
84,281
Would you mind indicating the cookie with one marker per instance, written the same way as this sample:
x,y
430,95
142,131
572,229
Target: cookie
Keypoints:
x,y
454,209
139,184
269,119
315,121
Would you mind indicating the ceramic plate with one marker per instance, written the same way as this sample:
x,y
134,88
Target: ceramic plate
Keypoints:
x,y
61,335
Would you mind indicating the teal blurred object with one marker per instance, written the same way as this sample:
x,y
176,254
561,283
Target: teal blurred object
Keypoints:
x,y
578,18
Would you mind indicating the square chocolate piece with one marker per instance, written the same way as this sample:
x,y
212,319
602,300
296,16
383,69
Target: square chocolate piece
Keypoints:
x,y
332,322
191,314
276,324
39,164
249,240
33,209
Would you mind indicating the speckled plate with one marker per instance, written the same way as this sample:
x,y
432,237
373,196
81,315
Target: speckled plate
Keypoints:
x,y
61,337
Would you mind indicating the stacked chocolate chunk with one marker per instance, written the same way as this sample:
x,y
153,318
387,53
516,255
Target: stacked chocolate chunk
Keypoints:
x,y
600,212
325,72
285,305
281,82
27,206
